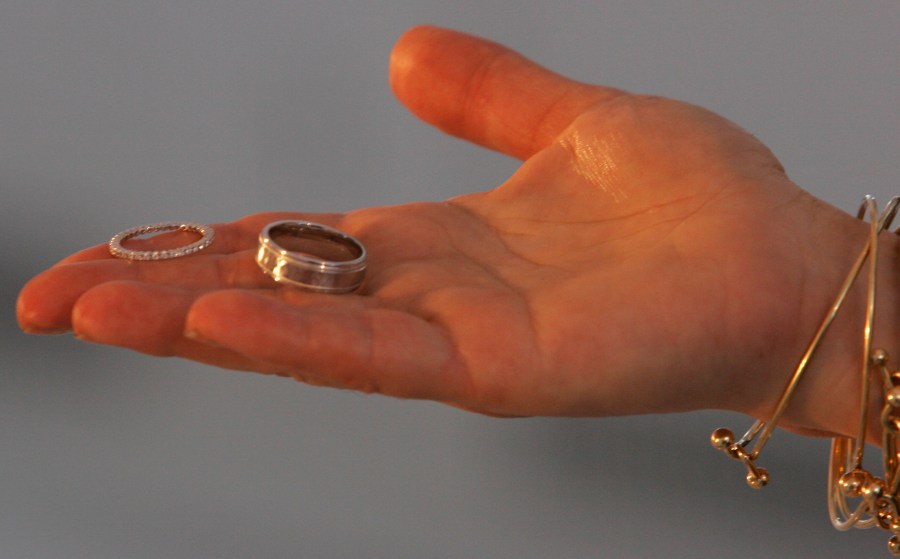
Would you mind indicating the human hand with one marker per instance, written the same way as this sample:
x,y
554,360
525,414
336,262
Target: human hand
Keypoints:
x,y
648,256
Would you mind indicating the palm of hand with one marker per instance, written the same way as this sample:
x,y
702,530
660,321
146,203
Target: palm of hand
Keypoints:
x,y
595,281
603,274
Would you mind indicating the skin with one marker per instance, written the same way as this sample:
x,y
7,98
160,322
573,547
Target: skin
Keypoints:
x,y
648,256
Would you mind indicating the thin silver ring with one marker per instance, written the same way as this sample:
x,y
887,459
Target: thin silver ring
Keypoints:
x,y
207,234
312,256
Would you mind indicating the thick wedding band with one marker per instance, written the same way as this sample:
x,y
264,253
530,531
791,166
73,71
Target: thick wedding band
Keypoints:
x,y
116,249
311,256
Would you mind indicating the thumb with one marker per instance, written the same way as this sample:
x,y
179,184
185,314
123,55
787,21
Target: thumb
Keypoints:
x,y
484,92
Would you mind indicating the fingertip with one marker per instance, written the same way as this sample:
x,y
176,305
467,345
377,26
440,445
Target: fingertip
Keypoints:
x,y
415,46
214,314
426,58
430,70
37,311
94,313
196,319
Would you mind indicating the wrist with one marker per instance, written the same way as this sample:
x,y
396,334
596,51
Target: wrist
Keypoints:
x,y
827,401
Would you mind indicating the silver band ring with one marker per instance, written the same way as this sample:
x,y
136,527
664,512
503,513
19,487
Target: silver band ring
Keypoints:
x,y
116,249
312,256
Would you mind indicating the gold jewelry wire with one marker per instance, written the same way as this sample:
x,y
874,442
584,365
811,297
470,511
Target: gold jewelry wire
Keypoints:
x,y
762,431
878,499
878,502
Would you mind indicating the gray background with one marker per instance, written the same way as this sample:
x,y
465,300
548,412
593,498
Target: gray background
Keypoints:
x,y
115,113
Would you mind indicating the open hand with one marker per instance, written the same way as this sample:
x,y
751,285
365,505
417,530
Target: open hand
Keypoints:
x,y
648,256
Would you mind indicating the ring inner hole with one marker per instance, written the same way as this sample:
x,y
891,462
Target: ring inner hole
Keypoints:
x,y
316,243
161,240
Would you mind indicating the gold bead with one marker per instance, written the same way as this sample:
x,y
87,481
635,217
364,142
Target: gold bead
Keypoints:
x,y
892,397
891,425
887,520
759,479
852,483
722,438
879,357
894,545
884,519
874,490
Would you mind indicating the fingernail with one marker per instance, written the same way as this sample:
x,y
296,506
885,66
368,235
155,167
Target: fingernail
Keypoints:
x,y
195,336
43,331
192,334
